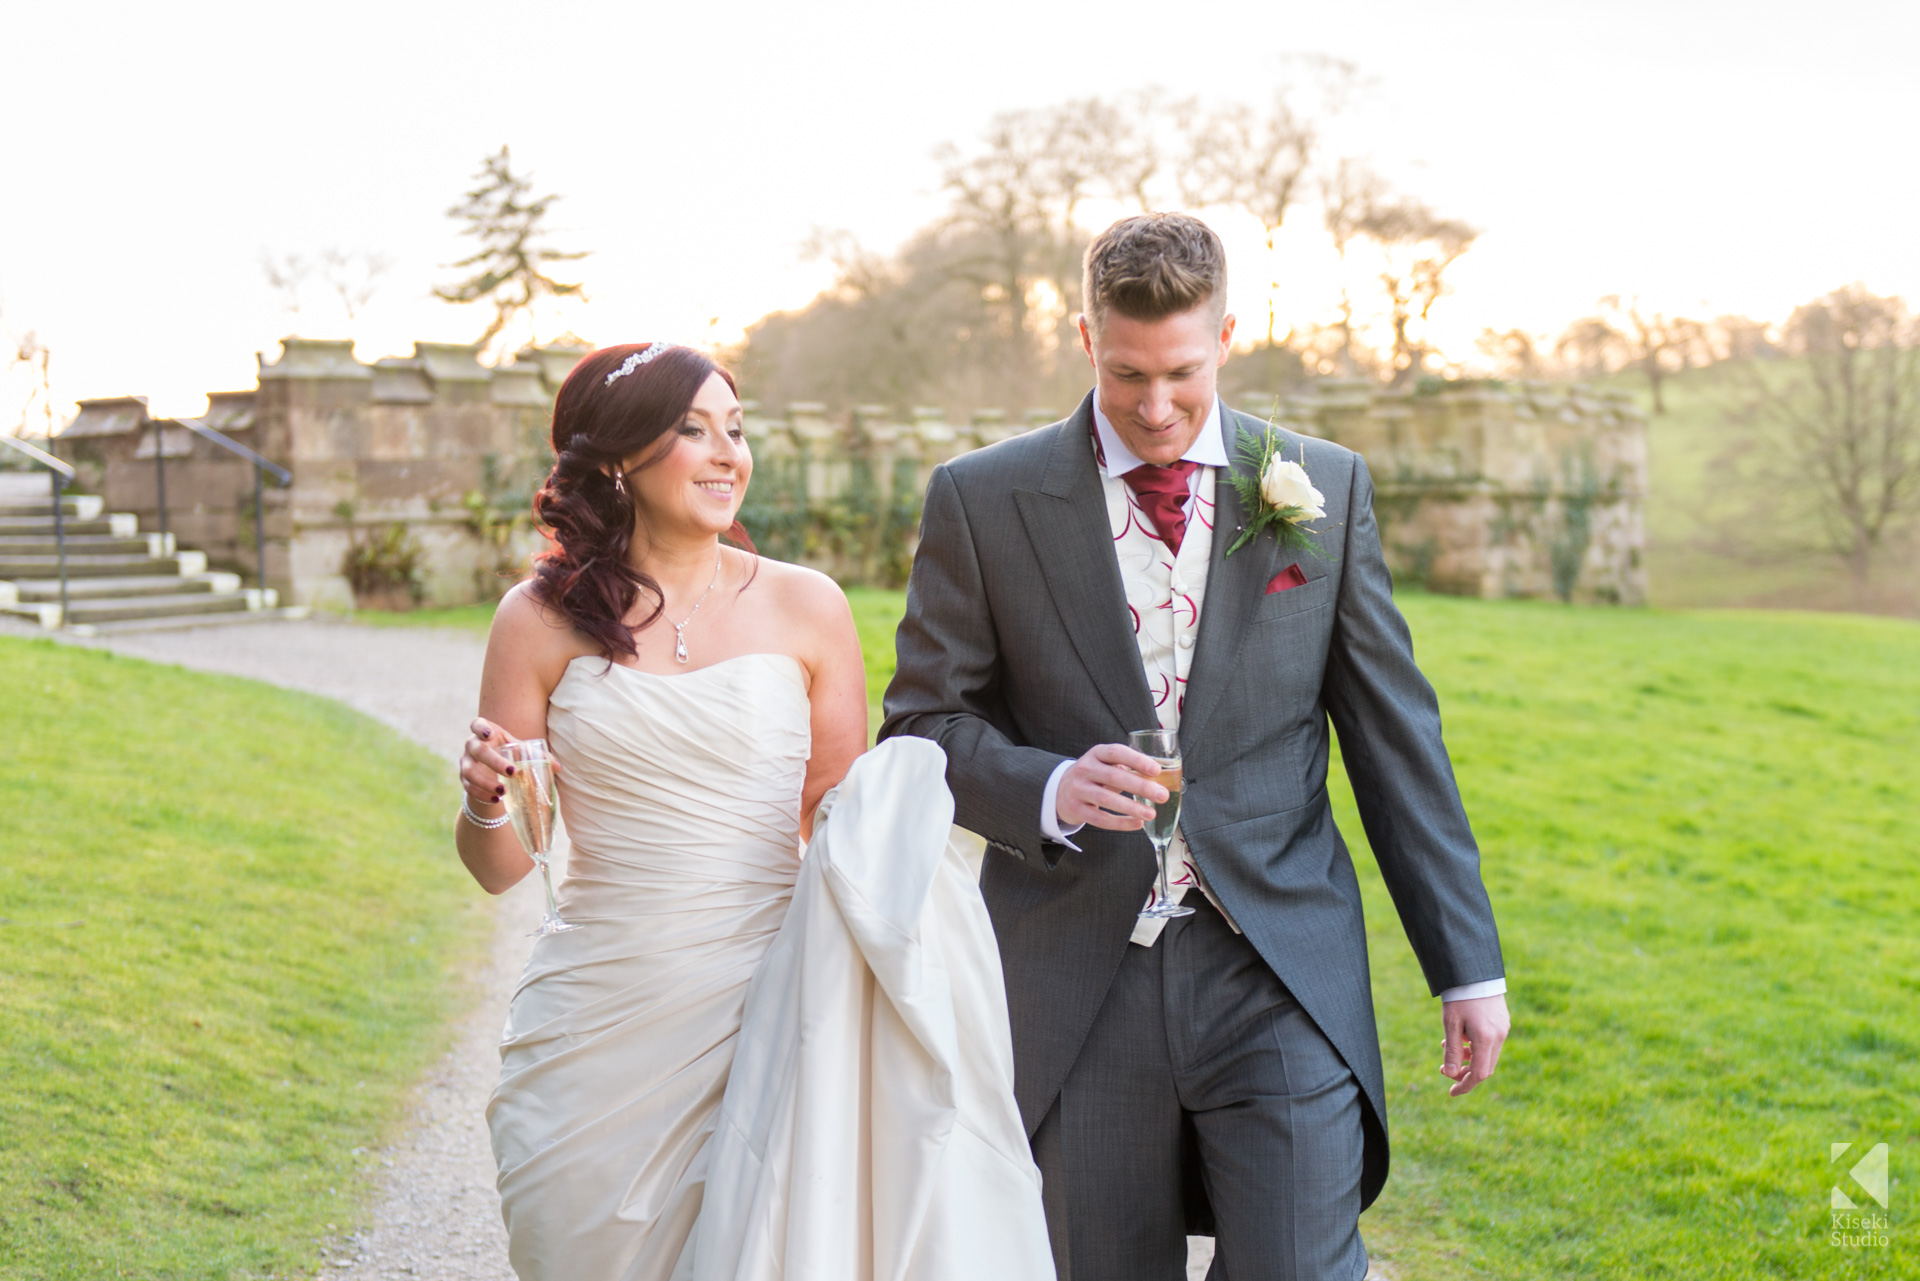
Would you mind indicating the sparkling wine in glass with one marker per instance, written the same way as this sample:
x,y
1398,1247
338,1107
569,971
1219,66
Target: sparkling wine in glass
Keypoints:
x,y
533,805
1164,746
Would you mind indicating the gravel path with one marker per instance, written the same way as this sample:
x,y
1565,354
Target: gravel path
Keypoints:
x,y
436,1215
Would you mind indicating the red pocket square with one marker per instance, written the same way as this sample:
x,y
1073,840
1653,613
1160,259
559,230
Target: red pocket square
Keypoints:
x,y
1286,580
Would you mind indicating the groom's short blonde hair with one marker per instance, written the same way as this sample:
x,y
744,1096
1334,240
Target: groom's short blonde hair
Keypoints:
x,y
1154,265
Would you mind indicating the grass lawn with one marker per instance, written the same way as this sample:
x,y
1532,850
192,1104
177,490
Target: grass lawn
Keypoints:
x,y
233,934
471,618
1698,831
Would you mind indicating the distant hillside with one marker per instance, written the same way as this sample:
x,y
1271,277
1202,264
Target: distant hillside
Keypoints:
x,y
1707,544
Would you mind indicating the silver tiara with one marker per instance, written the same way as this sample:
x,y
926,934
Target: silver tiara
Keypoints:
x,y
635,360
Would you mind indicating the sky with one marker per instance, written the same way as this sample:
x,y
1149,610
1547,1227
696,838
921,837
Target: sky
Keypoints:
x,y
1708,157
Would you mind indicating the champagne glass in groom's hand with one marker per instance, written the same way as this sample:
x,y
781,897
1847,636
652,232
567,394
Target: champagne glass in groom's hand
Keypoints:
x,y
1163,745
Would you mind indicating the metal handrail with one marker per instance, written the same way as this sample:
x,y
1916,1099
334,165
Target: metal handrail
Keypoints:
x,y
59,473
260,467
225,441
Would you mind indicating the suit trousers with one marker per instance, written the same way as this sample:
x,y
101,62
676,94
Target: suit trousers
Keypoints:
x,y
1200,1055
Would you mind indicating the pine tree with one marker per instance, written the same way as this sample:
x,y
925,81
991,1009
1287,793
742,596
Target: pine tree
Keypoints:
x,y
510,265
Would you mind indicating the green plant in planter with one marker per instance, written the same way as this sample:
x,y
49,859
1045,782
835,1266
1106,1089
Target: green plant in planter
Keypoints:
x,y
384,568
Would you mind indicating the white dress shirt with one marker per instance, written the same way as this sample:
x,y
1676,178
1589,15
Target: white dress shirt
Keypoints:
x,y
1208,450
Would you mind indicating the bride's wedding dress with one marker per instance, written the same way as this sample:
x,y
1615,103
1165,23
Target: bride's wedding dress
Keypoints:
x,y
869,1129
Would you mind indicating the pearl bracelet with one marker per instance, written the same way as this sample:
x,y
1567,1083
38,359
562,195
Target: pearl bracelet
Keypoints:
x,y
490,824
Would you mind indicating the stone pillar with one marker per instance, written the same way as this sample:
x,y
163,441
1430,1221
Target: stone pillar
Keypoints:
x,y
311,417
815,437
989,427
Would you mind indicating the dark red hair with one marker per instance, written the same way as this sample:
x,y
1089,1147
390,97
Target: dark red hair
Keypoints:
x,y
597,425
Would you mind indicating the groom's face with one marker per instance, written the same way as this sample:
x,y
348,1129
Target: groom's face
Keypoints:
x,y
1157,377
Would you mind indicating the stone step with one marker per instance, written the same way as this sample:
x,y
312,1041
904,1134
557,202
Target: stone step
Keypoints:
x,y
115,524
86,545
15,566
48,589
181,622
113,609
85,506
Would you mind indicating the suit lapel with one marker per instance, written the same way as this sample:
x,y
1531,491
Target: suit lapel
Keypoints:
x,y
1066,521
1234,588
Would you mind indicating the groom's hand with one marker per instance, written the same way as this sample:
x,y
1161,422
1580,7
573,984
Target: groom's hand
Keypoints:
x,y
1100,787
1476,1029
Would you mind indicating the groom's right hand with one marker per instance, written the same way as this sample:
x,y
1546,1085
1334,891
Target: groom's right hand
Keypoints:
x,y
1100,788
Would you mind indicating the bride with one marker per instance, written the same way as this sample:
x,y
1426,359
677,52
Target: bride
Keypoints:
x,y
701,704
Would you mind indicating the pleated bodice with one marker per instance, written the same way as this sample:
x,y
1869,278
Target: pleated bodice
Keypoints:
x,y
680,797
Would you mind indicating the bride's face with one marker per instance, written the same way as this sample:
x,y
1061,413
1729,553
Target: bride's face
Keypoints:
x,y
697,487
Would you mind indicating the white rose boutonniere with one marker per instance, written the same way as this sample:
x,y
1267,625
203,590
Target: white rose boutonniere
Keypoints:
x,y
1285,485
1276,492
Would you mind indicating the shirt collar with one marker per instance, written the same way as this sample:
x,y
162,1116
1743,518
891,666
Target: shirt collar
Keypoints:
x,y
1208,449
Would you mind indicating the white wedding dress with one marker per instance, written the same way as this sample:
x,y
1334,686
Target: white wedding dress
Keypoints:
x,y
861,1123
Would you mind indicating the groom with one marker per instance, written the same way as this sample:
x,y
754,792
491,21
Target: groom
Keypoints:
x,y
1220,1071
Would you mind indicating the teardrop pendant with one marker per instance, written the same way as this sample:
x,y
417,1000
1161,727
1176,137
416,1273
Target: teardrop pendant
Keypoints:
x,y
679,645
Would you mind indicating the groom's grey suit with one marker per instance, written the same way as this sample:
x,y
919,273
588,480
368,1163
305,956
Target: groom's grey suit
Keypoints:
x,y
1241,1073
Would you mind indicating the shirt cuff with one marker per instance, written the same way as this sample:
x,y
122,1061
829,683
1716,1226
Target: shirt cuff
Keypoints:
x,y
1050,816
1466,992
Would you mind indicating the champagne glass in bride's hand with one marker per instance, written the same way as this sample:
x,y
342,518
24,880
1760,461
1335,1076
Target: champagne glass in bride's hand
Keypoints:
x,y
1164,746
533,805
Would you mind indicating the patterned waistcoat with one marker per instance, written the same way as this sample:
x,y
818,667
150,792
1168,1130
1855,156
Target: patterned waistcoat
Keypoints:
x,y
1165,593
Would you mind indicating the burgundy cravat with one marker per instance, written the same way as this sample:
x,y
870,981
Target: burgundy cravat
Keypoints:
x,y
1163,493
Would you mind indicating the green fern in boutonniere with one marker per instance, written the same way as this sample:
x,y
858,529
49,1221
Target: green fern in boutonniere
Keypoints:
x,y
1275,492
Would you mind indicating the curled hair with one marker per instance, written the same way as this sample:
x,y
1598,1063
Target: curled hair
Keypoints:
x,y
585,512
1154,265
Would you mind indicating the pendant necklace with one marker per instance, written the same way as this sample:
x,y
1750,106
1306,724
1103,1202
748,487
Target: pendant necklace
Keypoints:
x,y
680,629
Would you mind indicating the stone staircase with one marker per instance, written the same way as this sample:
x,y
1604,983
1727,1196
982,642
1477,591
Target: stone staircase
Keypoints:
x,y
117,577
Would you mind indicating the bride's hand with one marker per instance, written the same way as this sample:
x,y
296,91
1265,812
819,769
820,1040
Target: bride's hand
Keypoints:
x,y
482,766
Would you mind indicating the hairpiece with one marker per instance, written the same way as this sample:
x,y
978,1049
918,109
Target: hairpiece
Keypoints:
x,y
635,360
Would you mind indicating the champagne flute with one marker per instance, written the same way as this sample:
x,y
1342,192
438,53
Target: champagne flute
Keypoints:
x,y
533,805
1164,746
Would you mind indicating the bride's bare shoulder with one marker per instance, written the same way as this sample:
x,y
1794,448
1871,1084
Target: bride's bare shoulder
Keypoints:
x,y
526,625
803,596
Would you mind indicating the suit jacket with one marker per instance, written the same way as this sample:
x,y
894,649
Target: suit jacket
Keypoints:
x,y
1015,654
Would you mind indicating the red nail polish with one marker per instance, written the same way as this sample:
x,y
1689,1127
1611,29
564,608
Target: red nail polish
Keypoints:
x,y
509,771
486,733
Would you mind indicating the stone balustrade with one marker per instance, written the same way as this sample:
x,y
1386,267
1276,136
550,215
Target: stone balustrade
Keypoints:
x,y
1481,490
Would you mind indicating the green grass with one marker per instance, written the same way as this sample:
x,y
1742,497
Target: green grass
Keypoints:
x,y
233,930
470,618
1698,831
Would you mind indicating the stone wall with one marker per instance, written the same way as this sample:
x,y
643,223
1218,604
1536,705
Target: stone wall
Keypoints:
x,y
1481,490
1496,490
432,443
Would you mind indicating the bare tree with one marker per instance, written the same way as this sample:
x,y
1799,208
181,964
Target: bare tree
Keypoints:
x,y
353,277
1349,192
1256,161
509,268
1515,353
1417,246
287,275
1742,338
1590,346
1835,433
1657,345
